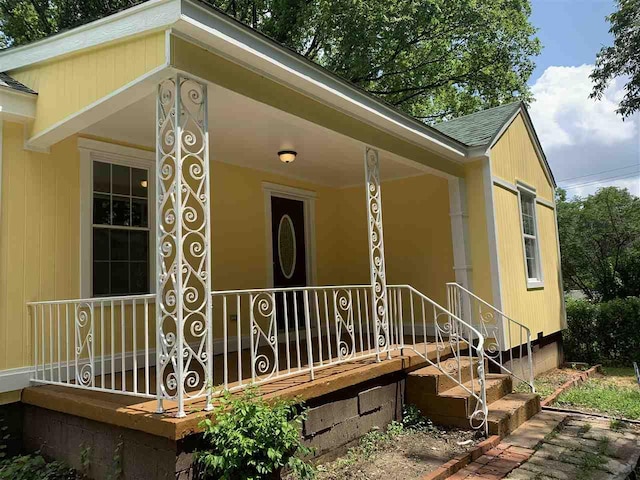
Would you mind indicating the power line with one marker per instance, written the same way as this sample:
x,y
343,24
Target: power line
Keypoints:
x,y
604,180
598,173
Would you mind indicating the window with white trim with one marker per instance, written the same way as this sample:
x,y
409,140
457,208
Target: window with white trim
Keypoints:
x,y
530,239
117,221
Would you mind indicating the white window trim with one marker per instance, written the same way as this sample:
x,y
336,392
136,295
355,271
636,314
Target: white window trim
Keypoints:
x,y
91,150
309,199
532,283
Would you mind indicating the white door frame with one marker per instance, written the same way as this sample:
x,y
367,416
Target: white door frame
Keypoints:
x,y
309,201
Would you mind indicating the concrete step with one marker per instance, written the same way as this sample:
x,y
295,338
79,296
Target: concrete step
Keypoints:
x,y
457,401
511,411
431,380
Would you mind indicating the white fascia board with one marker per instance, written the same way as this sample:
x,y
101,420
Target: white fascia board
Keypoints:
x,y
243,46
146,17
17,106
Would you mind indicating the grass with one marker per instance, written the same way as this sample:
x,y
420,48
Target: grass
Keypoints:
x,y
615,393
547,383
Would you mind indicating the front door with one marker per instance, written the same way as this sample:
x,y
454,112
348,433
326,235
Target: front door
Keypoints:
x,y
289,255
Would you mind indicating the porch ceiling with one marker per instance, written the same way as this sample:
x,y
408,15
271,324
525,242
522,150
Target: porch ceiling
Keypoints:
x,y
247,133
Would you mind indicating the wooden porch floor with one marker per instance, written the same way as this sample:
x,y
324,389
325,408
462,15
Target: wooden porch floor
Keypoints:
x,y
139,414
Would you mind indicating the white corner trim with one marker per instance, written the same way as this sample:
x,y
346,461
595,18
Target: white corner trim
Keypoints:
x,y
492,232
143,18
460,232
111,153
1,148
308,198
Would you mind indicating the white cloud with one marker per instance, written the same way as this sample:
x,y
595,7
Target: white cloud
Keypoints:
x,y
587,143
564,114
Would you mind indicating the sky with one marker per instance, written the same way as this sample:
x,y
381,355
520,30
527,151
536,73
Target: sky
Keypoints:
x,y
587,144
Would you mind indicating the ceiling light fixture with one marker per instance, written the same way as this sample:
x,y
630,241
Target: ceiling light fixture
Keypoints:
x,y
287,156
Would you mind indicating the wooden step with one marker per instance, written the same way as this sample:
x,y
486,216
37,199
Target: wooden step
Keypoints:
x,y
511,411
457,401
431,380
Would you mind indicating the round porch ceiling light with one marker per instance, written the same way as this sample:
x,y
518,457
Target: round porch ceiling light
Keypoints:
x,y
287,156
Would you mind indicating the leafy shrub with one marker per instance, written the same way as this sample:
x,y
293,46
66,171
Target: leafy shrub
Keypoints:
x,y
606,332
34,467
253,439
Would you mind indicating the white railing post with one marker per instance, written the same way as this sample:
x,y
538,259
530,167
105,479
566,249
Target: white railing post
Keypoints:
x,y
376,252
183,303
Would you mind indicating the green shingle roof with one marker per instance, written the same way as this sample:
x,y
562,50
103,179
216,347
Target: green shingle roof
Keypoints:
x,y
478,128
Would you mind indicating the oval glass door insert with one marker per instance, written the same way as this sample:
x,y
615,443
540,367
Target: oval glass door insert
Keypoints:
x,y
287,246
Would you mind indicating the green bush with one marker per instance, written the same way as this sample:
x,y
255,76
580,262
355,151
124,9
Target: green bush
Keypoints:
x,y
253,439
606,332
34,467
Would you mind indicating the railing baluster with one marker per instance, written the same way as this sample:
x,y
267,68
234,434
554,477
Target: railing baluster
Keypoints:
x,y
123,347
252,321
59,342
146,346
326,317
413,320
51,377
424,326
366,316
359,319
67,340
287,348
34,319
225,360
295,319
92,359
308,328
134,341
102,344
319,327
239,336
113,348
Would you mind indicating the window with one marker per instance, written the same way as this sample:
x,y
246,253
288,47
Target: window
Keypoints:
x,y
530,237
117,220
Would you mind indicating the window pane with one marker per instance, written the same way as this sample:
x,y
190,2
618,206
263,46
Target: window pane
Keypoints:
x,y
121,182
100,244
119,245
139,182
101,278
139,246
101,177
121,211
530,254
139,214
101,209
119,277
139,272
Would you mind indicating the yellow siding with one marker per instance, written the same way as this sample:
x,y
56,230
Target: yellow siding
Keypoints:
x,y
38,235
417,235
66,86
539,309
478,232
514,158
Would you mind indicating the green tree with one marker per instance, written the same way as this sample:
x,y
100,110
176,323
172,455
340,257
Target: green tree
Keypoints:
x,y
432,58
623,58
600,243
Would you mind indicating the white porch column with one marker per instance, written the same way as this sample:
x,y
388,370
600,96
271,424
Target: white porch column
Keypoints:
x,y
184,359
460,232
376,252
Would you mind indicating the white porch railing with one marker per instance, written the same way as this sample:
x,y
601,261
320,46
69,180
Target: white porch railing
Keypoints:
x,y
105,344
262,335
505,339
420,324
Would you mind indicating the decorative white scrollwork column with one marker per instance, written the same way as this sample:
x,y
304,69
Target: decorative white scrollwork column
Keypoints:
x,y
184,359
376,252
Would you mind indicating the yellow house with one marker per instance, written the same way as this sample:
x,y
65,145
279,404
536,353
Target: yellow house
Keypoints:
x,y
186,203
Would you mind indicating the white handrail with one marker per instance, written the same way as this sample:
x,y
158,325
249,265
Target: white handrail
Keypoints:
x,y
466,303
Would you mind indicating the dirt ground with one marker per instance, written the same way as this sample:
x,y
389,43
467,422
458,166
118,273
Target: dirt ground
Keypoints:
x,y
406,456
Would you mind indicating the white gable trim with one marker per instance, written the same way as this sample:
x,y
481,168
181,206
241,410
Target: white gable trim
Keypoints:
x,y
143,18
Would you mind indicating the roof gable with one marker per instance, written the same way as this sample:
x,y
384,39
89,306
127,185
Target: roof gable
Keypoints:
x,y
478,129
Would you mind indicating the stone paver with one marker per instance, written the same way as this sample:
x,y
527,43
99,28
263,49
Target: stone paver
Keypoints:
x,y
583,447
556,446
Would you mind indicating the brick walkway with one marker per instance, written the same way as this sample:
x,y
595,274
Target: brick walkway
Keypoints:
x,y
553,446
496,463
